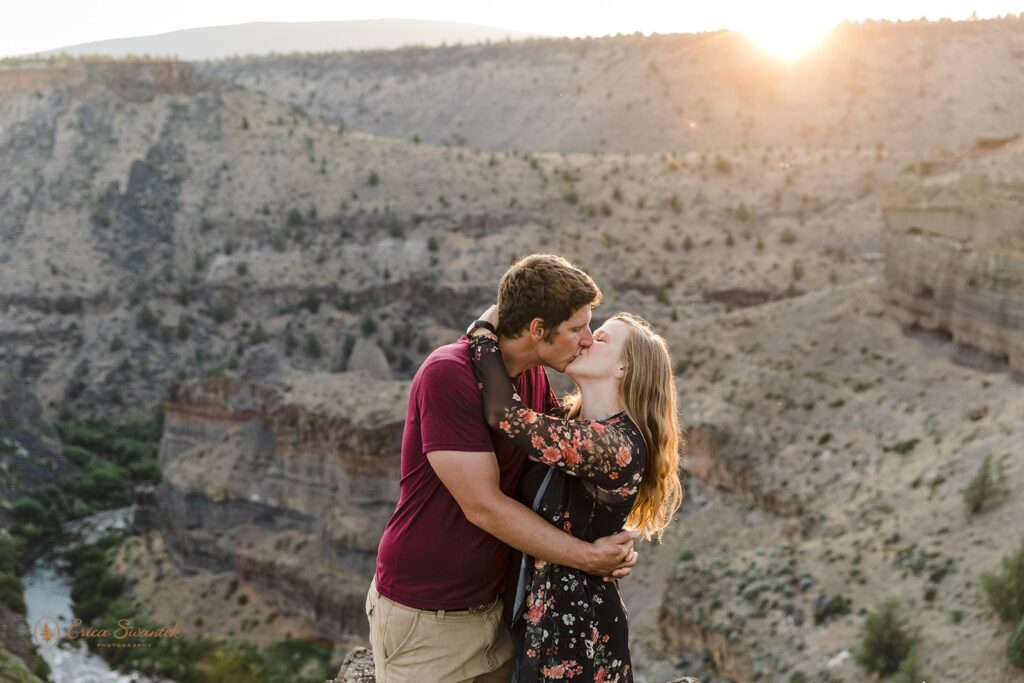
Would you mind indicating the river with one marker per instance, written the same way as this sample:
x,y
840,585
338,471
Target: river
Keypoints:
x,y
48,594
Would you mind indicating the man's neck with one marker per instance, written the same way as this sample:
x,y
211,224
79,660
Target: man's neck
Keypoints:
x,y
519,354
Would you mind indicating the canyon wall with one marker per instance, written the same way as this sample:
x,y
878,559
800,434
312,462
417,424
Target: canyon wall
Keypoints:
x,y
955,250
285,478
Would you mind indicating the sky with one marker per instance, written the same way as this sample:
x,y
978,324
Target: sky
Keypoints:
x,y
39,25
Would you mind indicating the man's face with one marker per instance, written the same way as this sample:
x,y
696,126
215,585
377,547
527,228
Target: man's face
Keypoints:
x,y
572,336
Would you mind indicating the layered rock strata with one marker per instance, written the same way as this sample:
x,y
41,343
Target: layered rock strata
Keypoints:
x,y
285,478
955,250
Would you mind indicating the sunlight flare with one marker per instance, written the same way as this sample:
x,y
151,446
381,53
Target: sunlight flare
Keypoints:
x,y
788,38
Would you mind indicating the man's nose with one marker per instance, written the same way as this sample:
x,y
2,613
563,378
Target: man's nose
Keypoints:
x,y
587,338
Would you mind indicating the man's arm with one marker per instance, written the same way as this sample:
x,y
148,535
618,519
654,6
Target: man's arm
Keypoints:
x,y
472,479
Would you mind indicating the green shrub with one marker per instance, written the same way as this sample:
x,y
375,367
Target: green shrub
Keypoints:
x,y
827,607
28,509
373,179
911,669
886,640
223,310
901,447
232,661
111,585
12,592
147,320
1005,591
1015,646
257,336
983,487
11,548
346,352
313,348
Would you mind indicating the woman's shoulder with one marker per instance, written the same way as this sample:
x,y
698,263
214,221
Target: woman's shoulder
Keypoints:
x,y
629,429
624,423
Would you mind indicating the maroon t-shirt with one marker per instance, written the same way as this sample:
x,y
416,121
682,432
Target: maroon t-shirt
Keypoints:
x,y
431,556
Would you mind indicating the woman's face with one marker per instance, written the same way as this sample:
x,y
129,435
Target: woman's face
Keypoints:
x,y
603,358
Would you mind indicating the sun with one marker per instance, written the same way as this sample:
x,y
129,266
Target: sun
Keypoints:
x,y
788,38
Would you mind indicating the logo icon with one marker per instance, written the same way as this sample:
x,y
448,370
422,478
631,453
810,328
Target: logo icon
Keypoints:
x,y
46,632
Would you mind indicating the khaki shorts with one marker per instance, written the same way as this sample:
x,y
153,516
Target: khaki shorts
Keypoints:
x,y
424,646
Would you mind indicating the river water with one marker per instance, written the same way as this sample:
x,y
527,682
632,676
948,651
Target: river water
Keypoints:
x,y
48,594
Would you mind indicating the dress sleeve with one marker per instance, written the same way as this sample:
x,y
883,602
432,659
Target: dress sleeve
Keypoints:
x,y
604,455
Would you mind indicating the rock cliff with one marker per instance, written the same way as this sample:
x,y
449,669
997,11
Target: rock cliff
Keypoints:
x,y
285,478
955,250
30,450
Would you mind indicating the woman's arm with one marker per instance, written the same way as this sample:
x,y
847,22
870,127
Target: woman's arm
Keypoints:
x,y
599,453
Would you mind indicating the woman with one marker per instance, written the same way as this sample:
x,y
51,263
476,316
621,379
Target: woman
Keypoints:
x,y
612,461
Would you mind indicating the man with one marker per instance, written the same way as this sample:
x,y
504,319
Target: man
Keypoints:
x,y
434,606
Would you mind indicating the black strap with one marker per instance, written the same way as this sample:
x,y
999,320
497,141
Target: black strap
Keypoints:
x,y
517,608
484,324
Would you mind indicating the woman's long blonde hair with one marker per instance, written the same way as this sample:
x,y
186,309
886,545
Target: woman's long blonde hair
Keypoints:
x,y
648,395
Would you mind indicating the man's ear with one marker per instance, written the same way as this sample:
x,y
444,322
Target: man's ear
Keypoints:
x,y
537,329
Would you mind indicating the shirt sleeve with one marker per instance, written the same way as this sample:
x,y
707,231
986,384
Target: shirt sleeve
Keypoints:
x,y
449,409
601,454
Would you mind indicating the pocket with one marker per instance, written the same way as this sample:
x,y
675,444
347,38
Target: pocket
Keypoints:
x,y
370,602
398,628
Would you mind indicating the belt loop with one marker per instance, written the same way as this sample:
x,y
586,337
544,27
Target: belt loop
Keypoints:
x,y
440,615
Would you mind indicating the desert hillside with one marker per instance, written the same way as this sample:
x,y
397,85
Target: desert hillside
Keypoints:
x,y
270,37
267,249
919,87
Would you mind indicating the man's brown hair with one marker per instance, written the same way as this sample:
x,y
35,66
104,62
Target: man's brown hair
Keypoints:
x,y
542,286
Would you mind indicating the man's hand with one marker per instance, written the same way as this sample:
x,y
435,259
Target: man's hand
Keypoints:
x,y
613,556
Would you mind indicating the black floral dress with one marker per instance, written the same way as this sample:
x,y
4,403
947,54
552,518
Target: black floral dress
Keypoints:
x,y
573,625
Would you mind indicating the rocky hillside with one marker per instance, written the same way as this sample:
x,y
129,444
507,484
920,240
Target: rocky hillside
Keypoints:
x,y
282,478
269,37
908,86
31,455
955,251
169,237
830,453
180,222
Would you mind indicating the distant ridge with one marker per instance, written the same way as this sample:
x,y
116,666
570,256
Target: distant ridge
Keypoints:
x,y
261,38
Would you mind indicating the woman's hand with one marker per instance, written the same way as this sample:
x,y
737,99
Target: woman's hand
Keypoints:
x,y
491,316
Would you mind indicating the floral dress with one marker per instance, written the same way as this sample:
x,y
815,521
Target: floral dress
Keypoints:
x,y
573,624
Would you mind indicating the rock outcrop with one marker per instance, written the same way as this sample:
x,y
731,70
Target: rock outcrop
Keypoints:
x,y
30,450
955,250
18,660
286,478
357,668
